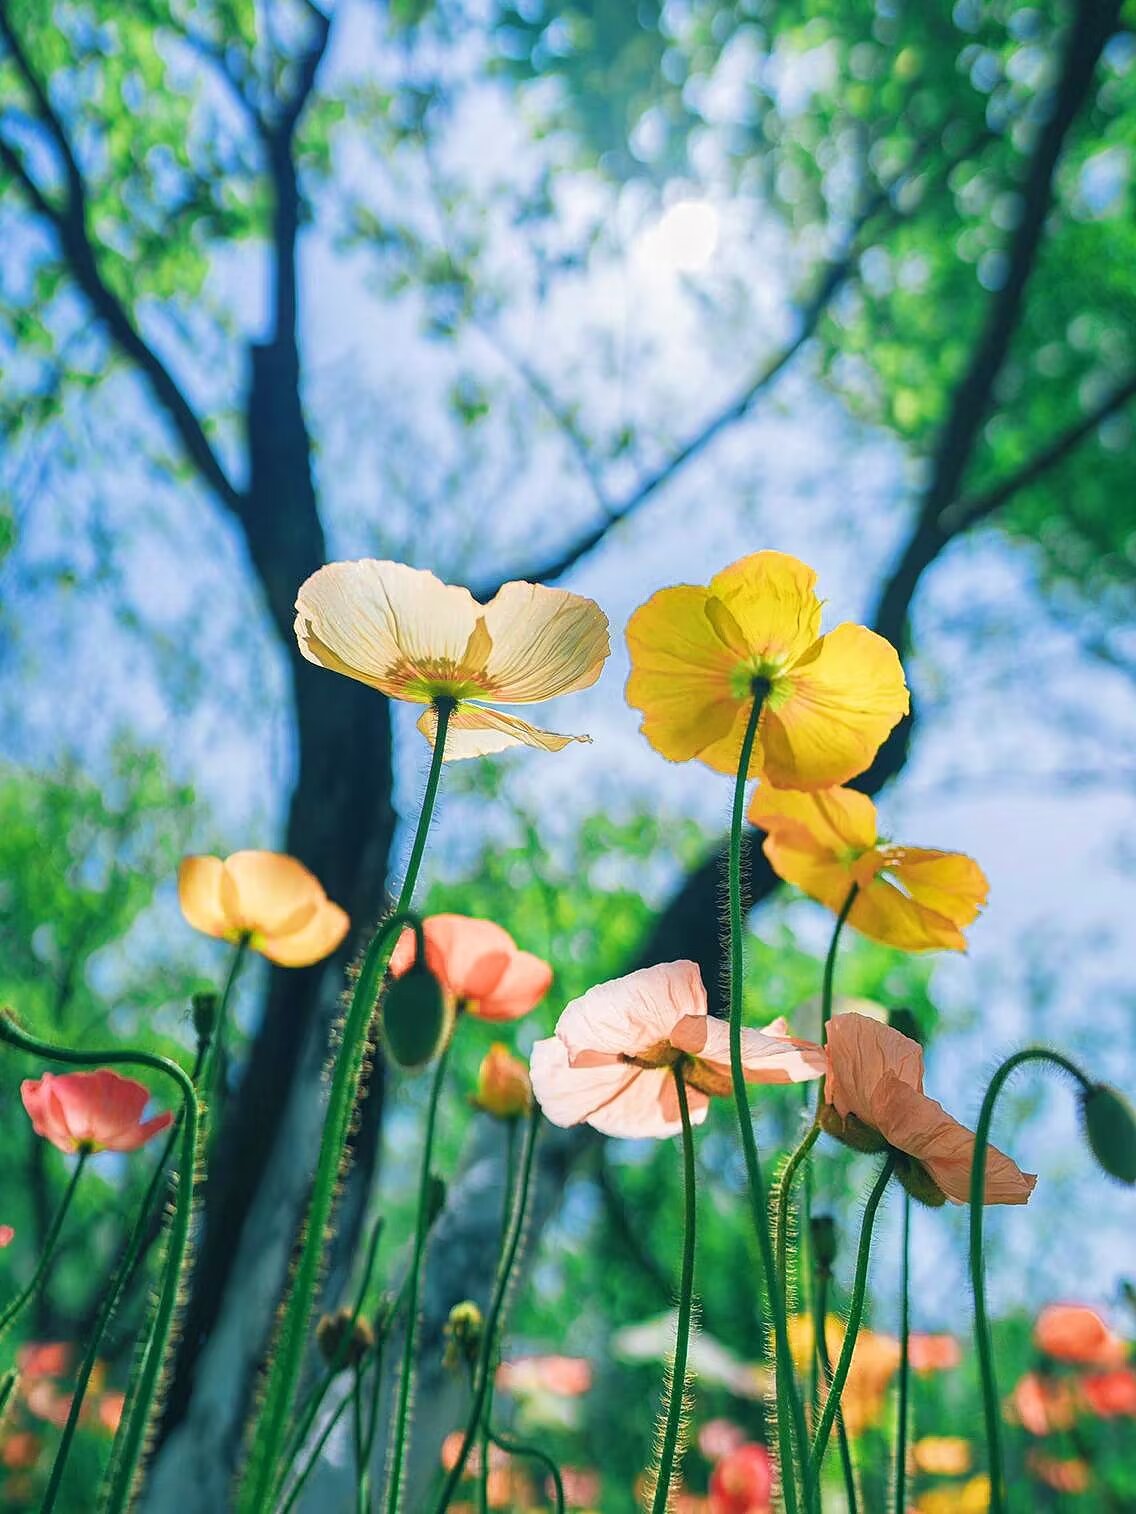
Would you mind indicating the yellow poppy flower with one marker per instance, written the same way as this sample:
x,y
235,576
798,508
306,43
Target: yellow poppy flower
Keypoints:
x,y
266,898
699,654
972,1497
909,896
407,634
942,1455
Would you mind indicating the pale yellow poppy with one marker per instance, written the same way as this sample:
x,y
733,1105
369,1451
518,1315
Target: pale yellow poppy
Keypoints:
x,y
265,898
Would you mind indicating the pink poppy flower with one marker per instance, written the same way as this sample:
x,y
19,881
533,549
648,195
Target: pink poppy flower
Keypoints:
x,y
875,1100
610,1061
44,1359
7,1236
1042,1405
91,1111
933,1353
1110,1394
564,1376
479,965
742,1482
1076,1333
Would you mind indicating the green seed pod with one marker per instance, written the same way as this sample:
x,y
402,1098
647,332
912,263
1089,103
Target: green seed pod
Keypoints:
x,y
204,1006
416,1018
1110,1128
463,1335
822,1228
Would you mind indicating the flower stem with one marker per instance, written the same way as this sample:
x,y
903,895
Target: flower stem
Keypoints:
x,y
493,1317
990,1404
673,1421
523,1448
213,1072
821,1357
271,1427
855,1315
830,963
904,1362
20,1302
782,1193
487,1415
790,1417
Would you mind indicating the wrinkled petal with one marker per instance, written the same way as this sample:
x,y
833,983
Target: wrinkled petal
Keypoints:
x,y
521,987
458,947
630,1015
861,1054
766,1058
842,700
772,598
477,731
949,883
199,894
312,942
830,821
544,642
908,1119
613,1097
269,892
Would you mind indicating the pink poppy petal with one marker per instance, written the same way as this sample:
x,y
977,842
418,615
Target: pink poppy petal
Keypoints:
x,y
631,1014
861,1052
765,1058
522,986
908,1119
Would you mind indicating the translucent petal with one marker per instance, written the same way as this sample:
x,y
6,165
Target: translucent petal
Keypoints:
x,y
544,642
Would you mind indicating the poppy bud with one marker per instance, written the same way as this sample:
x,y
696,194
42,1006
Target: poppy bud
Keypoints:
x,y
416,1018
904,1021
822,1228
343,1341
204,1009
463,1335
1110,1128
503,1087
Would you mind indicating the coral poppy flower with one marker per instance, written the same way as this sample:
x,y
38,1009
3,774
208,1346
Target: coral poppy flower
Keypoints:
x,y
1110,1394
503,1087
1068,1474
942,1455
1076,1333
44,1359
698,655
7,1236
91,1111
409,635
479,966
1042,1405
742,1482
266,898
610,1061
908,896
933,1353
875,1100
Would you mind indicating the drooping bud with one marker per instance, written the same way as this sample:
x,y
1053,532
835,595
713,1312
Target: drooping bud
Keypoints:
x,y
342,1340
904,1021
1110,1128
416,1018
204,1010
822,1229
503,1087
463,1335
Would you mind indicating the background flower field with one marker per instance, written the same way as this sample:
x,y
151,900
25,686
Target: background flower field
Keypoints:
x,y
608,296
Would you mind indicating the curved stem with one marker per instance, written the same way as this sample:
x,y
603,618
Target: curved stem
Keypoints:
x,y
790,1417
20,1302
904,1362
685,1300
492,1319
830,962
782,1194
820,1356
524,1448
990,1405
855,1315
271,1427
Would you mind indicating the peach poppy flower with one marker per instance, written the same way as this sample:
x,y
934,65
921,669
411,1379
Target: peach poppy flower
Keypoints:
x,y
413,637
1110,1395
91,1111
266,898
1065,1474
911,897
942,1455
698,654
1076,1333
7,1236
503,1087
1042,1404
874,1100
742,1482
933,1353
479,966
609,1063
562,1376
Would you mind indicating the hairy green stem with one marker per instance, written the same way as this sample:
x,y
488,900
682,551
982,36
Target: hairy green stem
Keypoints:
x,y
782,1194
20,1302
362,1476
821,1358
487,1415
271,1427
523,1448
904,1361
790,1416
316,1452
830,962
493,1317
990,1406
213,1072
855,1315
673,1421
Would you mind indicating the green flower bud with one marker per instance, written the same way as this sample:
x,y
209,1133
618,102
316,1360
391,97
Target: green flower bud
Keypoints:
x,y
905,1022
463,1335
1110,1128
342,1340
822,1228
416,1018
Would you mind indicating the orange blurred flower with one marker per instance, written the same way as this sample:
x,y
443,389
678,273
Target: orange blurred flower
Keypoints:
x,y
409,635
874,1098
44,1359
933,1353
875,1362
1076,1333
91,1111
478,964
610,1061
109,1411
564,1376
699,654
1110,1394
742,1482
1064,1474
909,897
20,1450
265,898
7,1236
503,1087
942,1455
972,1497
1042,1405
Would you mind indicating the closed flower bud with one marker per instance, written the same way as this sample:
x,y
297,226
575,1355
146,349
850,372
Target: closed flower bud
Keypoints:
x,y
904,1021
344,1341
416,1018
503,1087
1110,1127
822,1228
463,1335
204,1008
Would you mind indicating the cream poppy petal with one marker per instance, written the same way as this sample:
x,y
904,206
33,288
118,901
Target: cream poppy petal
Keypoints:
x,y
544,642
772,597
766,1058
629,1015
311,942
199,895
647,1108
273,893
476,731
568,1095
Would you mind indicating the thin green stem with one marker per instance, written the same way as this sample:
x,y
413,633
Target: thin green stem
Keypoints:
x,y
855,1315
316,1452
524,1448
685,1303
493,1317
821,1359
790,1416
904,1362
410,1340
990,1405
388,1324
362,1480
782,1194
487,1415
830,962
20,1302
213,1073
271,1428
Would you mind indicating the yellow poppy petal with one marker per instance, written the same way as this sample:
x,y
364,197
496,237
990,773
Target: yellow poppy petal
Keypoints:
x,y
269,892
681,674
772,597
543,642
949,883
817,873
399,629
884,913
836,708
199,894
476,731
833,820
312,942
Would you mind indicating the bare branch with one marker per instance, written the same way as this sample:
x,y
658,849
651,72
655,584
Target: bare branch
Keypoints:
x,y
309,67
